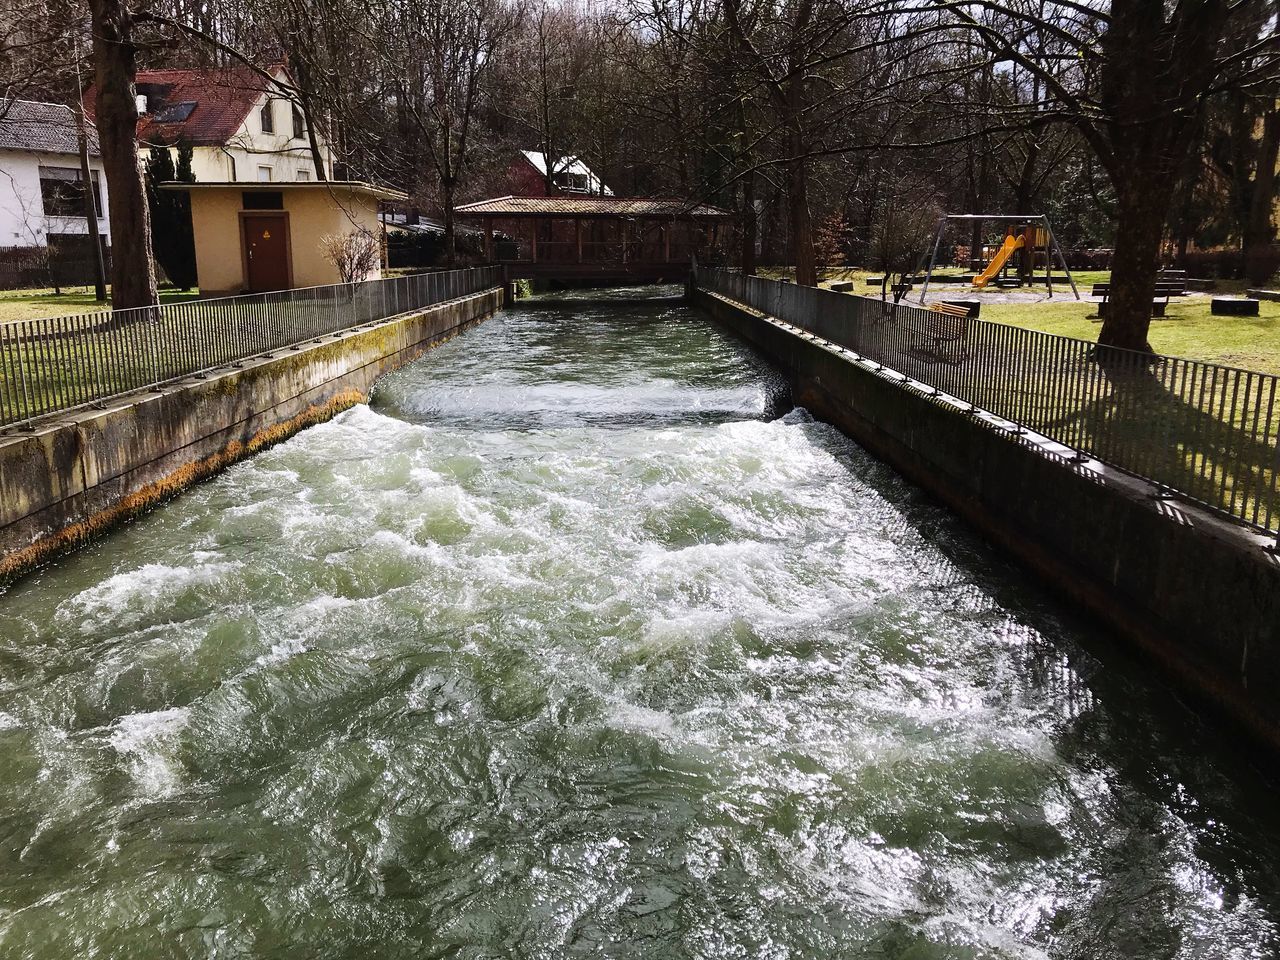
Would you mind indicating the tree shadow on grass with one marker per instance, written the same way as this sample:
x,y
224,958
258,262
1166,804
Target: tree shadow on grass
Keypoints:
x,y
1206,432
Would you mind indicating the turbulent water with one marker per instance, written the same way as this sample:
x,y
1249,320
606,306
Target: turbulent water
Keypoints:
x,y
577,643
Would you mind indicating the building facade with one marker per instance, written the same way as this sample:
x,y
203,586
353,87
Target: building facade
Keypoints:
x,y
527,177
42,201
241,128
260,237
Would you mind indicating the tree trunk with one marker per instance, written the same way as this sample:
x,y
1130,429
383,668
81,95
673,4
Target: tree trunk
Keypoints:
x,y
801,224
450,240
1139,229
133,275
748,255
1258,264
802,254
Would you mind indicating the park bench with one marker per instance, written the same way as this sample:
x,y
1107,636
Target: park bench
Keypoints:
x,y
946,332
1164,288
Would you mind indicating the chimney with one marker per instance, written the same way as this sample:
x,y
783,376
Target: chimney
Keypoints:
x,y
141,100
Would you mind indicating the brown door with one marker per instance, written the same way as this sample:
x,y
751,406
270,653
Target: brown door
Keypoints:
x,y
266,249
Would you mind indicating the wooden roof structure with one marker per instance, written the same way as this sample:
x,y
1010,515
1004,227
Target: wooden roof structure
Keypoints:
x,y
569,208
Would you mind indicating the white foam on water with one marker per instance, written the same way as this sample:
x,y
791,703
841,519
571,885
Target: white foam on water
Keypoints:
x,y
300,624
147,740
126,599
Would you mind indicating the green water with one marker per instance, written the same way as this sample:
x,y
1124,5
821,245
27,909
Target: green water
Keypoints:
x,y
570,645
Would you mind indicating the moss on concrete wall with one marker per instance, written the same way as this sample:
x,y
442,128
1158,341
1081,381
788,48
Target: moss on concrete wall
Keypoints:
x,y
68,482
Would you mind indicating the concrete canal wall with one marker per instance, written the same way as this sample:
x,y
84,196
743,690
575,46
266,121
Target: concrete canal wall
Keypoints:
x,y
1199,594
92,468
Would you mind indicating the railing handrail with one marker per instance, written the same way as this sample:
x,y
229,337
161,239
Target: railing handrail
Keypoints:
x,y
1208,432
51,365
239,296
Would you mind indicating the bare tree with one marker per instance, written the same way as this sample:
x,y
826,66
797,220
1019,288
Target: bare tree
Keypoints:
x,y
1131,79
355,254
437,54
543,72
115,54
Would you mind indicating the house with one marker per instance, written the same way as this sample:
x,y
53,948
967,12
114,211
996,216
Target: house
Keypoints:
x,y
257,237
527,177
42,190
240,127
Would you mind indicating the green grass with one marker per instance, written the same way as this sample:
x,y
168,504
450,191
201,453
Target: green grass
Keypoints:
x,y
1188,331
35,304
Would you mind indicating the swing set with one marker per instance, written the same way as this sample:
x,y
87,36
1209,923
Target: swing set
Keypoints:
x,y
1028,244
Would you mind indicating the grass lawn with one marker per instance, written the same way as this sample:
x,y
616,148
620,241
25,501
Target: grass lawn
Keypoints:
x,y
1188,331
34,304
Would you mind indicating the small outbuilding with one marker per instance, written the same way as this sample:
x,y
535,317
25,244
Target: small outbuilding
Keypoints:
x,y
257,237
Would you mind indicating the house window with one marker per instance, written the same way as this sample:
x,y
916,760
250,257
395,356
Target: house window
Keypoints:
x,y
299,128
573,182
62,192
268,116
264,174
304,174
262,199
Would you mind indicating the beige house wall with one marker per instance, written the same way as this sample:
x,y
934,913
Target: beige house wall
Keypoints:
x,y
313,213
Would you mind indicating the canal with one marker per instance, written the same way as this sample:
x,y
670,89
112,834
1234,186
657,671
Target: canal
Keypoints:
x,y
578,641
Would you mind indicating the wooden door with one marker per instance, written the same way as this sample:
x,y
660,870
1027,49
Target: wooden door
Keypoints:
x,y
266,252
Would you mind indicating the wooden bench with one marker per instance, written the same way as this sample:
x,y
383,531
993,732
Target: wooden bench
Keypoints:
x,y
950,309
1166,289
947,333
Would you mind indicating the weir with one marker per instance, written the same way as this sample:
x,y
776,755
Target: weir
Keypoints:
x,y
579,639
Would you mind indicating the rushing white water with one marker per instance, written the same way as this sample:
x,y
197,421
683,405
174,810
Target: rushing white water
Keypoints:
x,y
572,645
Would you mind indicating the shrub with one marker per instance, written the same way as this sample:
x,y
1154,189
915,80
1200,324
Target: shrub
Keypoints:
x,y
355,253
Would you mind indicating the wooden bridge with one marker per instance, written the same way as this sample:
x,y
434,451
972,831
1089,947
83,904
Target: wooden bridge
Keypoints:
x,y
606,239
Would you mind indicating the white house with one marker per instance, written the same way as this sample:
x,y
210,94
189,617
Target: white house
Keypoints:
x,y
240,126
41,185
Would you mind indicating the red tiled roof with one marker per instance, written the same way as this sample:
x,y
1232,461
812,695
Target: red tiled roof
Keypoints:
x,y
589,207
222,98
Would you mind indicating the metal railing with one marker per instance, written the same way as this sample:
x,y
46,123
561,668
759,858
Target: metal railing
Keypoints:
x,y
60,363
1201,431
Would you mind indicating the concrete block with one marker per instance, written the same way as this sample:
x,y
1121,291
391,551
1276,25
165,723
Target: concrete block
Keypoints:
x,y
1234,307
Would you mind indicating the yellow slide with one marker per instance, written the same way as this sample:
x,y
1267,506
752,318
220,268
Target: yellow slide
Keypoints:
x,y
1011,243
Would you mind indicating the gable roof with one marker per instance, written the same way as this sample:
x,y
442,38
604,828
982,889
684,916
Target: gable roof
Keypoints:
x,y
43,128
649,207
567,165
202,107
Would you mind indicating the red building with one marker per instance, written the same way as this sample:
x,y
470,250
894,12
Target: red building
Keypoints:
x,y
570,176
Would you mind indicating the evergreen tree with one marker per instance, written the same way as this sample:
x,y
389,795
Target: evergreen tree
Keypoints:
x,y
172,239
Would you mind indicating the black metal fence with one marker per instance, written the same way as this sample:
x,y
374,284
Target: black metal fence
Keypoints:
x,y
60,363
1202,431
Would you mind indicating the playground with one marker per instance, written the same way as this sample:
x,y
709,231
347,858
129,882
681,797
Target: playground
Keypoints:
x,y
1188,329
